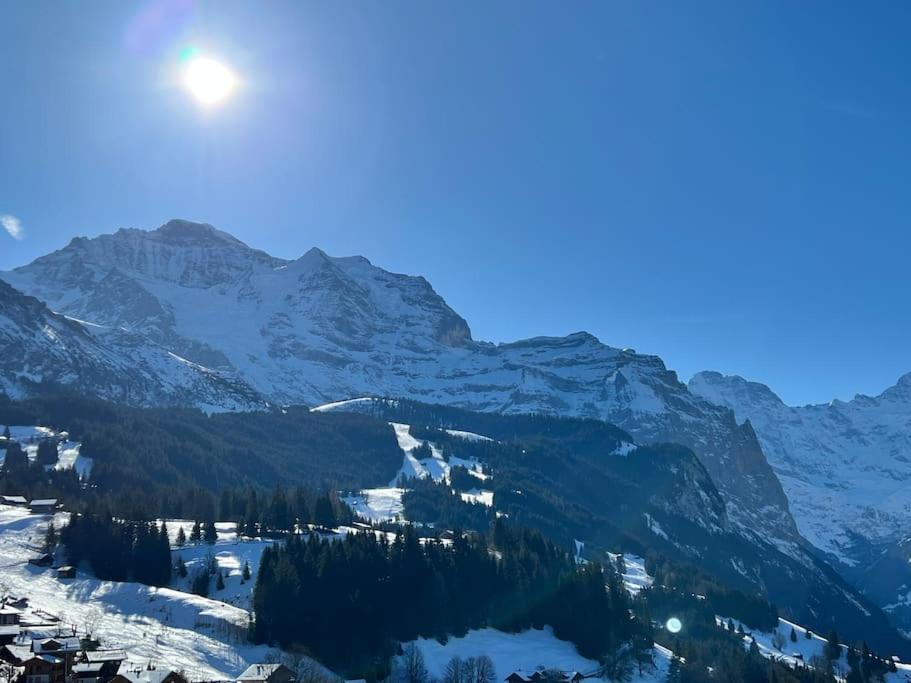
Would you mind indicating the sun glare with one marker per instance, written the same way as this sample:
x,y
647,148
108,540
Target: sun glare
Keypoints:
x,y
209,81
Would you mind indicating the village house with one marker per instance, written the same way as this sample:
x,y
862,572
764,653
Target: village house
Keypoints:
x,y
43,506
9,633
44,668
266,673
66,572
18,501
45,560
9,615
97,666
149,674
63,648
15,654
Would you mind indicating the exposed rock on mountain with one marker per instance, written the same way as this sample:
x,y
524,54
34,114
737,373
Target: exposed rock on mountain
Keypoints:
x,y
318,329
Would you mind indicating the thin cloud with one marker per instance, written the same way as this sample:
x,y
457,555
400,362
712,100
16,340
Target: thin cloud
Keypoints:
x,y
13,226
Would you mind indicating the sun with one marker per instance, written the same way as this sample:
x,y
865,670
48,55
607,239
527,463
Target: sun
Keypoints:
x,y
208,80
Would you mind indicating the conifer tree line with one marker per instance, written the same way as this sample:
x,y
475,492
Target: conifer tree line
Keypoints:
x,y
349,601
118,550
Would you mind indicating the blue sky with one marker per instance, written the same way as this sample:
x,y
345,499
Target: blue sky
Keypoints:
x,y
723,184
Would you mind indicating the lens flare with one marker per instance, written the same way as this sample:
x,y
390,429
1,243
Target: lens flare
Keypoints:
x,y
674,625
209,81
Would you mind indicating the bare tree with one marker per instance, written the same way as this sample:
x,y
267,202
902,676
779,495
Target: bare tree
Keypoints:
x,y
484,672
453,671
410,666
90,622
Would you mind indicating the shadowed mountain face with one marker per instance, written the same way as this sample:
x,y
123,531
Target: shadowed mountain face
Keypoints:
x,y
319,329
846,467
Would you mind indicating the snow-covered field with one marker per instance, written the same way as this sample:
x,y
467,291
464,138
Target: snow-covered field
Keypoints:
x,y
377,505
526,651
804,650
385,503
635,578
204,637
230,556
68,452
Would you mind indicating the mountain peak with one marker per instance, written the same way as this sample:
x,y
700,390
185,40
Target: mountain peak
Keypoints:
x,y
189,233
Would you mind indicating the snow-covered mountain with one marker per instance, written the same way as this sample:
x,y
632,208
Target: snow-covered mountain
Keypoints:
x,y
41,349
846,468
319,329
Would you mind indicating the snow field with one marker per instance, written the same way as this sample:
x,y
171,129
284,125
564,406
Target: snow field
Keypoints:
x,y
204,637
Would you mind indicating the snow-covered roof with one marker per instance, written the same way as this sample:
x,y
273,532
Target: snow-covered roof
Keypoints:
x,y
44,501
105,656
259,672
67,644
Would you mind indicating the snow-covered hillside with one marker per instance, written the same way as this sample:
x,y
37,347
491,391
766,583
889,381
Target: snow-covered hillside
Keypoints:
x,y
205,637
69,455
528,651
846,468
39,348
385,503
319,329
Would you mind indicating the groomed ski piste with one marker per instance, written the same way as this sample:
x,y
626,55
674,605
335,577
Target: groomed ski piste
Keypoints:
x,y
68,452
384,504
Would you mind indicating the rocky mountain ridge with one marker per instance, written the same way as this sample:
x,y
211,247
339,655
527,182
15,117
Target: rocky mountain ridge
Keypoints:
x,y
318,329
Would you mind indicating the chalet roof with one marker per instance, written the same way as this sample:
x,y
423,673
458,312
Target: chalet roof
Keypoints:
x,y
145,675
18,652
44,502
105,655
259,672
9,629
67,644
14,500
87,667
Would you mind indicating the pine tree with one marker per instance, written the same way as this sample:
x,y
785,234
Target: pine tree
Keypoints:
x,y
196,533
210,535
181,538
219,582
181,568
673,670
47,453
793,635
6,434
50,538
323,514
246,573
832,650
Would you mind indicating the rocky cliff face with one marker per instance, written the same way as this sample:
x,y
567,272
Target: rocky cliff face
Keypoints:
x,y
846,468
318,329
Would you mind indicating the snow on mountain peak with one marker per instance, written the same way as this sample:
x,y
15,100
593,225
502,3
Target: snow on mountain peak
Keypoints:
x,y
845,465
179,231
321,328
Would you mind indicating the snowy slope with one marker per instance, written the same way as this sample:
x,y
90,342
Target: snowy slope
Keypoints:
x,y
174,629
846,468
526,651
40,348
320,329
